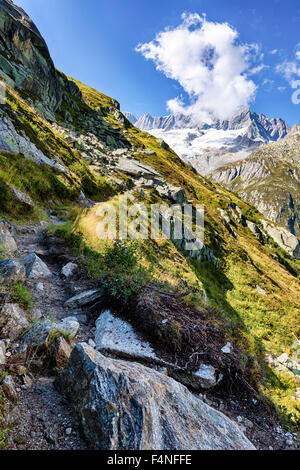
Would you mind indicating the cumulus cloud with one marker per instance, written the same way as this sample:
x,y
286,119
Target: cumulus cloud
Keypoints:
x,y
209,63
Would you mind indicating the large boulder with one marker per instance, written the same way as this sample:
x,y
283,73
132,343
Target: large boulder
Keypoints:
x,y
35,267
12,321
127,406
11,270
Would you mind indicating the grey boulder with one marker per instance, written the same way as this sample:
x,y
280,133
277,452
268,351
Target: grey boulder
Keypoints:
x,y
84,298
35,267
8,387
12,321
69,270
7,242
127,406
2,353
38,334
11,270
69,326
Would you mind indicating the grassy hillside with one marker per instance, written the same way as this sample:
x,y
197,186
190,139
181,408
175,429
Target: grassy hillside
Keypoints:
x,y
256,323
259,323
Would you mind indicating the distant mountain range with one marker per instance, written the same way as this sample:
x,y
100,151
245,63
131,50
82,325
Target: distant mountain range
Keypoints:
x,y
208,146
269,179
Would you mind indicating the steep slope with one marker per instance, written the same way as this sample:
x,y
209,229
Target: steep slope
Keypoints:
x,y
207,146
270,180
237,287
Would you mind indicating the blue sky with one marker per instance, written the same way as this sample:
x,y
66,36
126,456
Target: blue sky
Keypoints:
x,y
95,41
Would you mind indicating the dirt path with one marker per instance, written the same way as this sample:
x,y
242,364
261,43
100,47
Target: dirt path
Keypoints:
x,y
42,418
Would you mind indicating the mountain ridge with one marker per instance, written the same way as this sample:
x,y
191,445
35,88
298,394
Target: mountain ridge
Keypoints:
x,y
206,146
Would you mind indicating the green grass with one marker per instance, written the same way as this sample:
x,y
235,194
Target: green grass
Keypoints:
x,y
21,295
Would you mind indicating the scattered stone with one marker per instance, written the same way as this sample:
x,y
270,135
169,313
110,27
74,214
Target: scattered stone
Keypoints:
x,y
207,375
7,242
2,353
27,381
285,239
22,198
84,298
35,314
69,270
260,290
35,267
8,387
12,321
227,348
69,326
61,352
38,334
152,410
68,431
19,355
11,270
39,287
83,201
91,343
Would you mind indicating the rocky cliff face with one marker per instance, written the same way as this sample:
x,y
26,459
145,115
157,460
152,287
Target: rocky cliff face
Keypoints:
x,y
25,62
270,180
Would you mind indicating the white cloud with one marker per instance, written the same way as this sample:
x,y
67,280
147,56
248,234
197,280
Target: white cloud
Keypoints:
x,y
208,62
258,69
291,69
274,52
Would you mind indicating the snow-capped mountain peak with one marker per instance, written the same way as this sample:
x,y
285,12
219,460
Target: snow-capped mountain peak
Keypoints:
x,y
208,146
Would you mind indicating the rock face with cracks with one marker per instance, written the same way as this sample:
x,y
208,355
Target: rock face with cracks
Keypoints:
x,y
127,406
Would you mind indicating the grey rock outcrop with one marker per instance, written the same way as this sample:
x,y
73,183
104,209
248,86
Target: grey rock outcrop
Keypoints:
x,y
12,141
286,240
25,62
127,406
